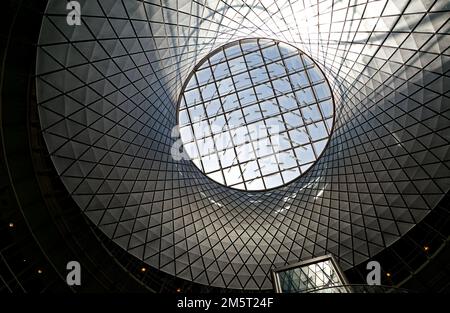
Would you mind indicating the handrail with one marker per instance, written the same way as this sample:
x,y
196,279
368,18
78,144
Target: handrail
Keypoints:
x,y
357,288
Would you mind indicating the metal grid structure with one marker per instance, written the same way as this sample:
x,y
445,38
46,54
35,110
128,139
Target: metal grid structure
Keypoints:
x,y
108,92
255,114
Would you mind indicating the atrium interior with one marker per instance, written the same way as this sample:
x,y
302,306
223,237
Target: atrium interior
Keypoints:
x,y
210,146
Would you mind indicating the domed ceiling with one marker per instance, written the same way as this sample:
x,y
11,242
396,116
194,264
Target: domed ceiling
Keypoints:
x,y
108,93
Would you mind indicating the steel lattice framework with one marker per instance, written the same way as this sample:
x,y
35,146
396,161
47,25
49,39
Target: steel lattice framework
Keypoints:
x,y
108,91
255,114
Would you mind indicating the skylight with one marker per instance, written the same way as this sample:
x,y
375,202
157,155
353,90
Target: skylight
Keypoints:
x,y
255,114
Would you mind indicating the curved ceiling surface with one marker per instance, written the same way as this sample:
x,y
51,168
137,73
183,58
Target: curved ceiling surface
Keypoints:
x,y
107,93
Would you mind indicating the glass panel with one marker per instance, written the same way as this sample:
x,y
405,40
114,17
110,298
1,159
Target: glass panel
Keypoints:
x,y
237,98
319,277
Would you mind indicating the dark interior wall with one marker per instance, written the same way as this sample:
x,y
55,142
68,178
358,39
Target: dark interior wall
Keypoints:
x,y
48,230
